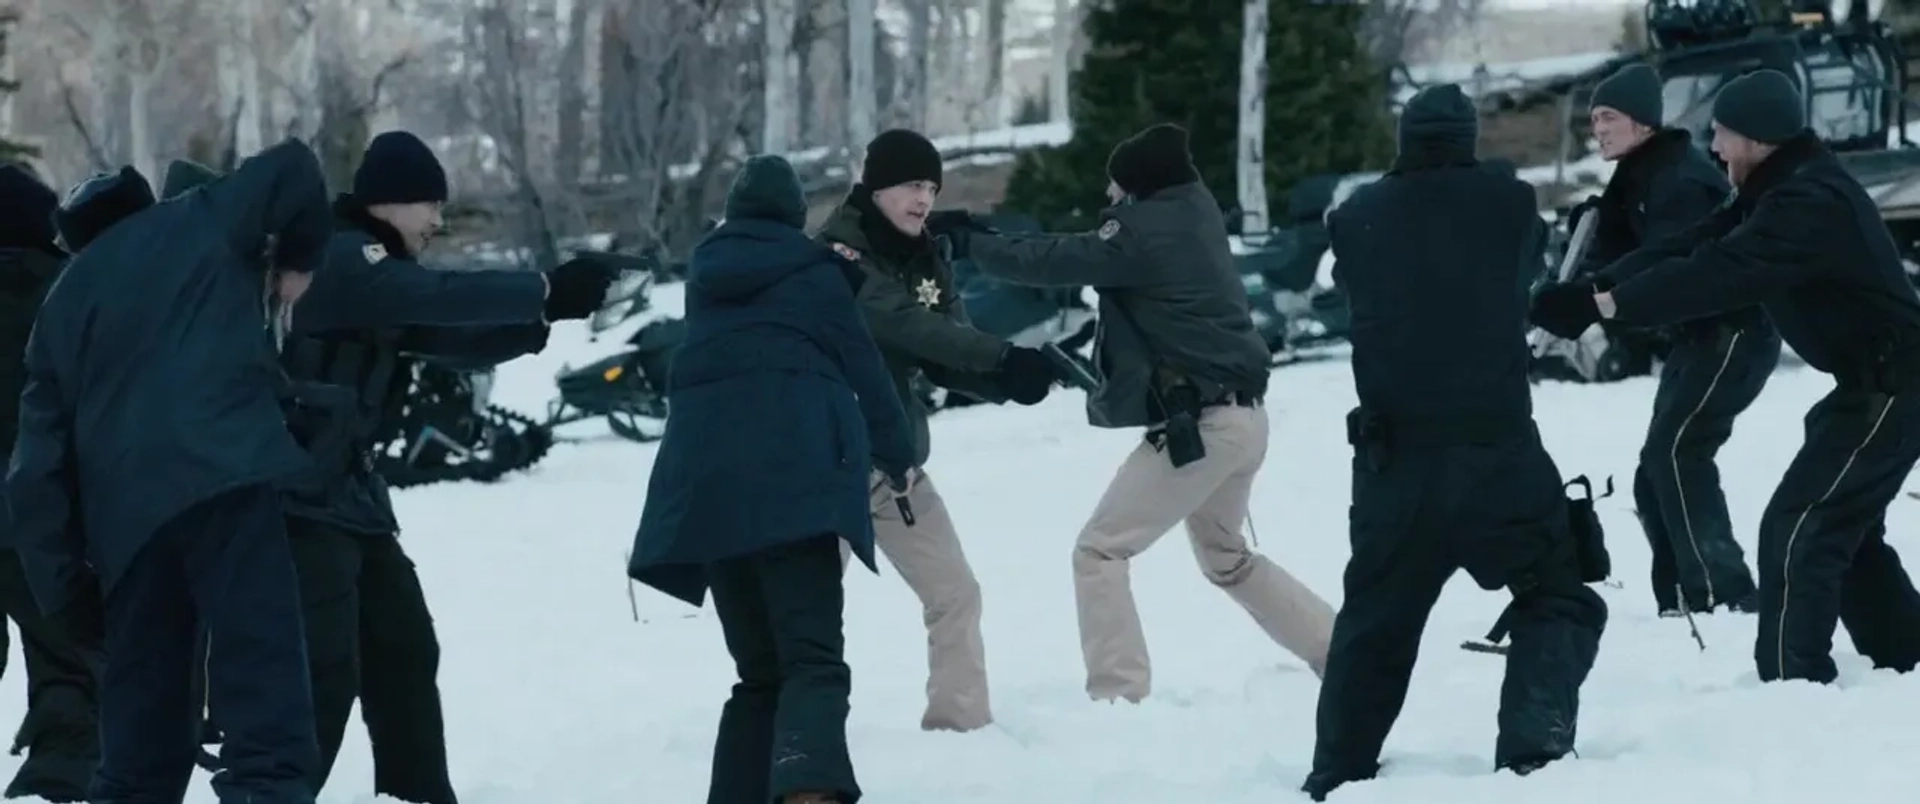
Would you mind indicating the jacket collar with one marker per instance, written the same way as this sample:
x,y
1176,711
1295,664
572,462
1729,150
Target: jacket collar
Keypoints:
x,y
1804,149
354,215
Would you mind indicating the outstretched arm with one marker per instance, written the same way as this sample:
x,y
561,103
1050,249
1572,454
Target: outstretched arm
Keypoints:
x,y
1101,258
363,287
898,321
1772,251
473,348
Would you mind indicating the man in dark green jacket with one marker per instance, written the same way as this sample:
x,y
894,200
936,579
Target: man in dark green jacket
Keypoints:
x,y
905,288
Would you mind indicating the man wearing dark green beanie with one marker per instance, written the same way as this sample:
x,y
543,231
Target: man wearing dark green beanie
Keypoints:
x,y
1716,366
1804,240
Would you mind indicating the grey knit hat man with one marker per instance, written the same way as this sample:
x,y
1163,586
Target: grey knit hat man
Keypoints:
x,y
1764,106
1633,91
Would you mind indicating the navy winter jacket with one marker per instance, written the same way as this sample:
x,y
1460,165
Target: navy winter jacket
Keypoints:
x,y
151,377
778,397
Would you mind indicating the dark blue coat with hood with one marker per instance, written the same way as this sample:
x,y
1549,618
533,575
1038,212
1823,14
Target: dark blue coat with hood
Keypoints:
x,y
778,396
151,381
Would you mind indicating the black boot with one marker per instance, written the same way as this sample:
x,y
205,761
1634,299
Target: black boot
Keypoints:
x,y
1318,786
62,748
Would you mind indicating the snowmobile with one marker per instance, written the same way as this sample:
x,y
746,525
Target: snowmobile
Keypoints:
x,y
447,431
628,389
1297,306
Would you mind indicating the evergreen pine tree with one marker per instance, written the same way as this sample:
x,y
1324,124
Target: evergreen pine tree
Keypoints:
x,y
1178,61
11,150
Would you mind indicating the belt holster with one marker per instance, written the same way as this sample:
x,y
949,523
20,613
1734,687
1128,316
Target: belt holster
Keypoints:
x,y
1367,433
1179,437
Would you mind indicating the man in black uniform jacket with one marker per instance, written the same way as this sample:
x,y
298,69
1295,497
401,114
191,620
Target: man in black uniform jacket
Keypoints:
x,y
1448,469
370,310
1803,239
1661,185
60,733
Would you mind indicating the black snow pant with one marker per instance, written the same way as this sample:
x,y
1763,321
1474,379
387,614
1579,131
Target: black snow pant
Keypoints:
x,y
1824,559
225,562
784,730
370,636
61,731
1429,501
1709,378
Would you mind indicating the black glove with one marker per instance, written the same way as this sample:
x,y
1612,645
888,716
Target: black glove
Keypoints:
x,y
949,221
578,287
958,226
1565,309
1026,375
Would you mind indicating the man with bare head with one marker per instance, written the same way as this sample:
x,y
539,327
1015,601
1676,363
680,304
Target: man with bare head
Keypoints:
x,y
1802,239
1716,366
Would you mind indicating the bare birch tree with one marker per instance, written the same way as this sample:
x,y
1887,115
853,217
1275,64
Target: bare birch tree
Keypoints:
x,y
778,86
1251,173
860,89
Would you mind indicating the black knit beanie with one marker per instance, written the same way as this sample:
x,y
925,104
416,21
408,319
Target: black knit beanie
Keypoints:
x,y
768,189
1635,92
1440,115
1152,160
26,209
1764,106
899,156
95,205
183,175
399,169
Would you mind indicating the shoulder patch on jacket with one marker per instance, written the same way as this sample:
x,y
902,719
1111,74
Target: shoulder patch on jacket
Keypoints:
x,y
374,252
1109,229
846,252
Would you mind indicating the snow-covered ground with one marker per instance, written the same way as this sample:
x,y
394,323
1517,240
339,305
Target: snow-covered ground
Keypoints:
x,y
555,694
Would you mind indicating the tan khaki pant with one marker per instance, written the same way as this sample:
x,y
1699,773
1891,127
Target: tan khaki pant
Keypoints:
x,y
929,558
1146,499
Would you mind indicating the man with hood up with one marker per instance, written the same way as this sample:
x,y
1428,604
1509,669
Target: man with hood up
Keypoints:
x,y
144,486
181,176
370,311
1448,469
60,734
1182,359
1717,366
905,286
776,353
1803,239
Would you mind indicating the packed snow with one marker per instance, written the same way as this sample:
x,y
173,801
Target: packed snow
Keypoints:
x,y
554,692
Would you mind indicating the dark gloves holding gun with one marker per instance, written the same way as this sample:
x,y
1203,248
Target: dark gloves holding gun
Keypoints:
x,y
576,288
958,227
1026,375
1565,309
